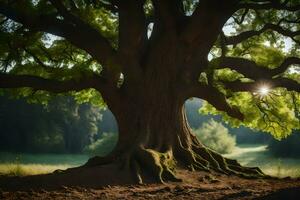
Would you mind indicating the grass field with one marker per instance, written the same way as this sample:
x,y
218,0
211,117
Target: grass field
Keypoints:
x,y
258,155
31,164
249,155
29,169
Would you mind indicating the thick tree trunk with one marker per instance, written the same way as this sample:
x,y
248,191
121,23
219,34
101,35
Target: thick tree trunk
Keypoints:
x,y
155,140
154,136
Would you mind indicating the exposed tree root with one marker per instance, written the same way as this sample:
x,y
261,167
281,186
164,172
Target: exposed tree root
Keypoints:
x,y
156,155
227,166
161,166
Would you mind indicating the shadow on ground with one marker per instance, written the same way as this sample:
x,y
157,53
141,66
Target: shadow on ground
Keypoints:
x,y
284,194
112,183
91,177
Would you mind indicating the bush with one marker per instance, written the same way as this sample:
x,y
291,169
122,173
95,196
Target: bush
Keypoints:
x,y
215,136
103,145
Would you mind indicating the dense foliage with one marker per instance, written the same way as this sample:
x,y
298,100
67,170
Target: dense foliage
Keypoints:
x,y
266,34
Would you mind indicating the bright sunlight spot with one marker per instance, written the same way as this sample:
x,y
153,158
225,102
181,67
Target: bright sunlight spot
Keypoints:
x,y
264,90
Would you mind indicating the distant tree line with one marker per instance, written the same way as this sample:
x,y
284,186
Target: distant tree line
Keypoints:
x,y
63,126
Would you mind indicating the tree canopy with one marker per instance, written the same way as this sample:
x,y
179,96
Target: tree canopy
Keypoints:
x,y
147,57
86,46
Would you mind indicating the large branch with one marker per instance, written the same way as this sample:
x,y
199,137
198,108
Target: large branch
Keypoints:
x,y
285,65
55,86
233,40
219,13
253,71
168,14
276,5
109,93
133,31
79,34
204,24
132,28
214,97
254,87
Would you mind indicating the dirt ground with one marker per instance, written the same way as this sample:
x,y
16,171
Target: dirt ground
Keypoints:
x,y
195,185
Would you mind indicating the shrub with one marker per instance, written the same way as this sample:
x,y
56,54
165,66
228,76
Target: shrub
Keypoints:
x,y
103,145
215,136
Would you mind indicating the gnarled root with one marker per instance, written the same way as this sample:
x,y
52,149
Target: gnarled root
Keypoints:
x,y
225,165
148,164
160,166
144,164
202,158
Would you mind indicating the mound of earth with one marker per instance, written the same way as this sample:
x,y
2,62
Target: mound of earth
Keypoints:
x,y
110,183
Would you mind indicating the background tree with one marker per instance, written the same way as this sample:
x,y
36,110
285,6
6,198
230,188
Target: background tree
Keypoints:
x,y
216,136
61,126
148,57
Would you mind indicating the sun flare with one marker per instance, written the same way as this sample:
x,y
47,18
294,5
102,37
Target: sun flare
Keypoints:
x,y
264,90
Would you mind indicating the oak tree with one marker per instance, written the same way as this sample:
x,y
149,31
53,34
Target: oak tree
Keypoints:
x,y
145,58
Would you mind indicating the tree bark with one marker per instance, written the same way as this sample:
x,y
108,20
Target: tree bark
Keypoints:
x,y
155,140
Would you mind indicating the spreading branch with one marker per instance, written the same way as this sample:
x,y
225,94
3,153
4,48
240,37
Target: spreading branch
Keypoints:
x,y
79,34
55,86
201,19
217,99
131,14
259,74
237,86
196,29
168,14
253,71
276,5
233,40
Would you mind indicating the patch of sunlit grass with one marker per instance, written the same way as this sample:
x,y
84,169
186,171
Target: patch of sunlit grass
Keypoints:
x,y
282,171
15,169
259,156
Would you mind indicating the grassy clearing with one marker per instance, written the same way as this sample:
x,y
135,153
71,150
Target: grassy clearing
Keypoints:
x,y
259,156
16,164
248,155
13,169
282,172
46,159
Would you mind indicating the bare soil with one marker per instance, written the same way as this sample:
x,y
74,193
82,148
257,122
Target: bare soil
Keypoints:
x,y
110,183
